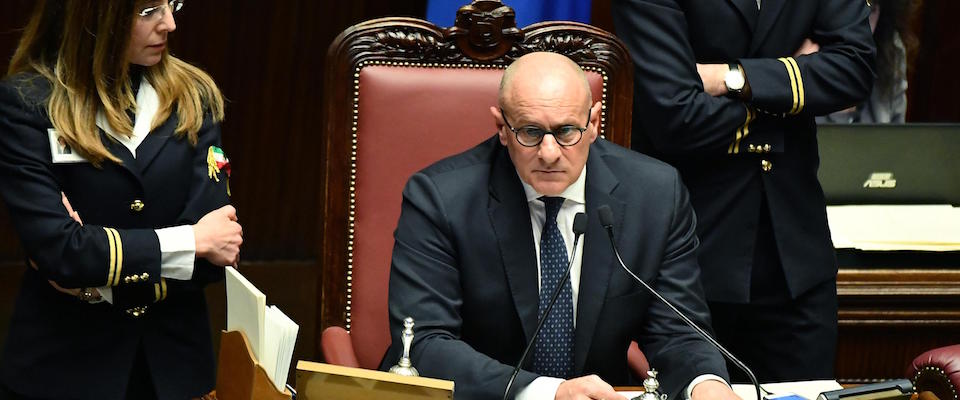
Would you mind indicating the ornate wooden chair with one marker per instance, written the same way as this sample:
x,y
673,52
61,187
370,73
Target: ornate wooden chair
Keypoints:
x,y
402,93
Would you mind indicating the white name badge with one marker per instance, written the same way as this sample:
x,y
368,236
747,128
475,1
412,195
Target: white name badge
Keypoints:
x,y
60,152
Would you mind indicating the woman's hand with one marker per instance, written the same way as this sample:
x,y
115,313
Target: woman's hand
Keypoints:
x,y
218,236
73,214
72,292
76,217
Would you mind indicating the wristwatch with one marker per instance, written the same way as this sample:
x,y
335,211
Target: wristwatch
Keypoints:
x,y
734,80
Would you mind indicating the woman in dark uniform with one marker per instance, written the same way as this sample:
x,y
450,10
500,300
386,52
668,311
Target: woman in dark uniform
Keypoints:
x,y
112,170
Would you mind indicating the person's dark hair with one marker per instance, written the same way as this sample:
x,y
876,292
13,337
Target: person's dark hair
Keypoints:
x,y
895,18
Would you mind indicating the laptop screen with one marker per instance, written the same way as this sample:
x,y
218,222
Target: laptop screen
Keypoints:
x,y
890,163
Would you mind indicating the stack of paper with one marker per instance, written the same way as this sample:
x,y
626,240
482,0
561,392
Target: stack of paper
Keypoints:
x,y
895,227
271,333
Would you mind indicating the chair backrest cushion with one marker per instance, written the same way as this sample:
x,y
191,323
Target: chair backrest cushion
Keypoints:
x,y
408,116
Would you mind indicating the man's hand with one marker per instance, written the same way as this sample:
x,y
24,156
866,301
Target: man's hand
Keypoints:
x,y
218,236
712,76
808,47
713,390
587,387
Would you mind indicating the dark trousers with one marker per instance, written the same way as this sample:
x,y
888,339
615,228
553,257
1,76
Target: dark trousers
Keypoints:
x,y
779,337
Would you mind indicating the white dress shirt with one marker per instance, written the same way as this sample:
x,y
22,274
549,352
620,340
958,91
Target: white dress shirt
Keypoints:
x,y
546,387
177,244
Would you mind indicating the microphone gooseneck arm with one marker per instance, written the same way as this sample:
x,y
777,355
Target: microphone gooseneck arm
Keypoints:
x,y
579,227
606,219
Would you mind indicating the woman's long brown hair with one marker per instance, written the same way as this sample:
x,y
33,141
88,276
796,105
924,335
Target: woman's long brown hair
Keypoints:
x,y
80,47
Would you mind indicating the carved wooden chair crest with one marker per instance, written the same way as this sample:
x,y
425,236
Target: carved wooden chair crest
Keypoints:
x,y
402,93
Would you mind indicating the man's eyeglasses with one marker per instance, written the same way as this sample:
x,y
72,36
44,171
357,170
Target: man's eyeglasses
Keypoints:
x,y
532,135
155,13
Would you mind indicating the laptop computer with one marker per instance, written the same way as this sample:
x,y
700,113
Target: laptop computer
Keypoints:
x,y
890,163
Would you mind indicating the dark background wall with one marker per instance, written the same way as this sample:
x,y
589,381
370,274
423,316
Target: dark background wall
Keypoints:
x,y
268,58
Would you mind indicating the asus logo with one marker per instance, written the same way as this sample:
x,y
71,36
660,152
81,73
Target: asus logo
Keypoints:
x,y
880,180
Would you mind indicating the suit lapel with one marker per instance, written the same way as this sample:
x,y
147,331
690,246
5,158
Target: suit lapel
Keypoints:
x,y
148,149
748,10
127,161
148,104
510,217
769,11
598,261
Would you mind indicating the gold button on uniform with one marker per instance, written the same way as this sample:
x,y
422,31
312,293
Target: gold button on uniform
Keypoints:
x,y
144,276
766,165
137,205
136,312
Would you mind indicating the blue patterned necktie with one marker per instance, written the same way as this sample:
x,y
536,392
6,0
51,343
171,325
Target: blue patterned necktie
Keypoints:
x,y
553,354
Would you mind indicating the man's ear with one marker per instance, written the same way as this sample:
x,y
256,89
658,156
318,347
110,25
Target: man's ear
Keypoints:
x,y
498,120
594,121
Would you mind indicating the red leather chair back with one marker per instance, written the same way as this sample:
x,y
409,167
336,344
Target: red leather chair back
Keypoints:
x,y
409,117
403,94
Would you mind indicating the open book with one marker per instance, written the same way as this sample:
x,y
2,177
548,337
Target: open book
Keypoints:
x,y
271,333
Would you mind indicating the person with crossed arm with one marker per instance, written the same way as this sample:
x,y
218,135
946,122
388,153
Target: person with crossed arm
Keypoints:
x,y
725,92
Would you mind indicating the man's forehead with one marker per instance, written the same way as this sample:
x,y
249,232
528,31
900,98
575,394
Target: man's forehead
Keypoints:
x,y
544,75
533,111
547,94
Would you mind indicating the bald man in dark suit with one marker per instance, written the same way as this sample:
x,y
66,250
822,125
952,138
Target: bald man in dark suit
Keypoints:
x,y
477,242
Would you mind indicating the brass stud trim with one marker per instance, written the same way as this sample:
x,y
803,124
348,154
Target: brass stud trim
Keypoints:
x,y
937,372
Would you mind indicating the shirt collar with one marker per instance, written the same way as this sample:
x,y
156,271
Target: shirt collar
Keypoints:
x,y
574,192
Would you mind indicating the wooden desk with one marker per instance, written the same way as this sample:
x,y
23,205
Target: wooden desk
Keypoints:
x,y
894,306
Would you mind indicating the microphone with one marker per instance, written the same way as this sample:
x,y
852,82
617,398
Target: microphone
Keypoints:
x,y
606,220
579,227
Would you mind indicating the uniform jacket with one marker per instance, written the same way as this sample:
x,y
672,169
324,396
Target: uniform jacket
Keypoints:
x,y
60,347
731,153
464,267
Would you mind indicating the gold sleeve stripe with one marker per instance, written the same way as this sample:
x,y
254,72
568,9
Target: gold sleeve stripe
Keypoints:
x,y
751,115
742,133
793,83
116,277
796,71
113,256
163,289
156,292
735,146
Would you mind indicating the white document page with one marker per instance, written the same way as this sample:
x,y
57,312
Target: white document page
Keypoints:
x,y
895,227
246,306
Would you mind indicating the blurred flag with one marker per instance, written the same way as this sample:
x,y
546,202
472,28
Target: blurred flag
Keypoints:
x,y
443,12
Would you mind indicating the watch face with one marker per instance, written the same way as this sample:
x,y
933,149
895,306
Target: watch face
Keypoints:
x,y
734,80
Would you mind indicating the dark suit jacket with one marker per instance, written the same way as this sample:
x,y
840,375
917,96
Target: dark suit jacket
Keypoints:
x,y
464,267
59,347
720,145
